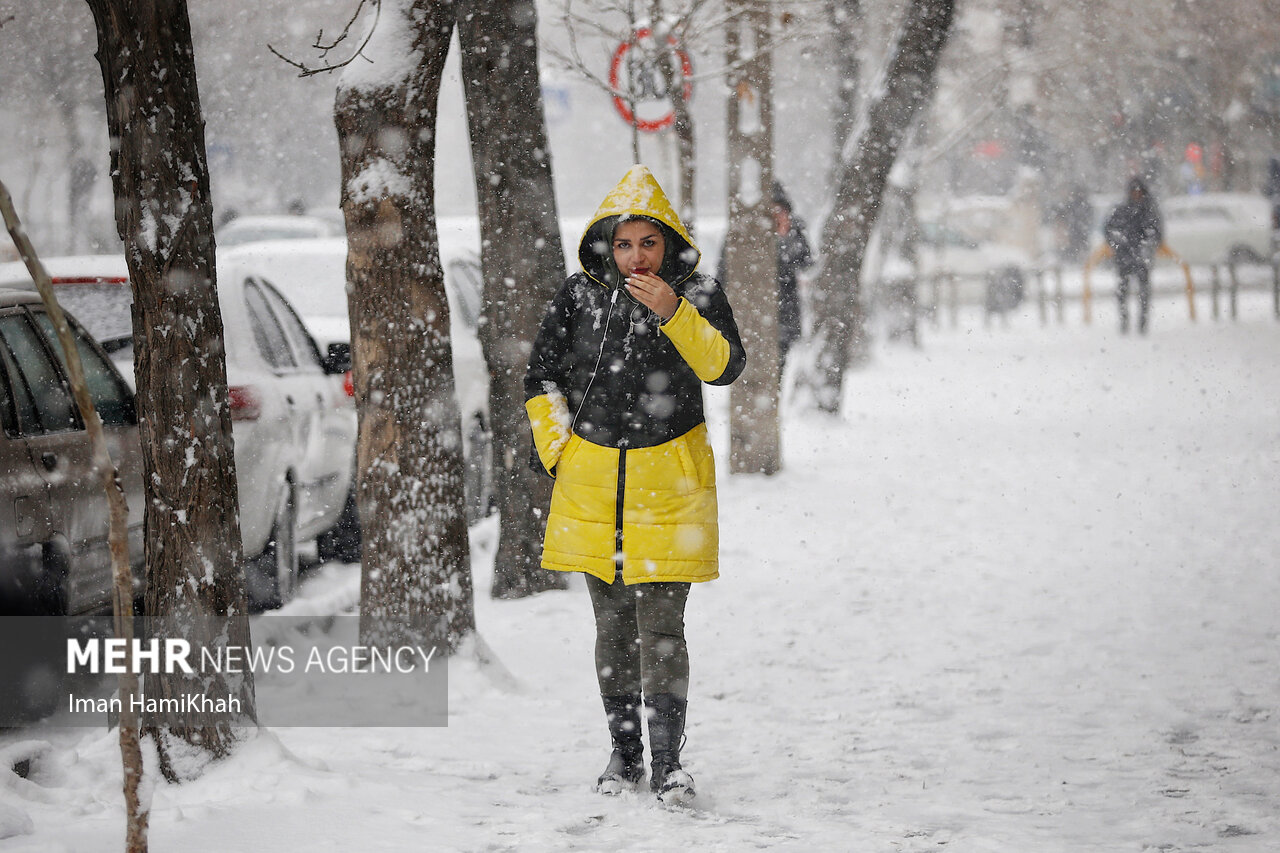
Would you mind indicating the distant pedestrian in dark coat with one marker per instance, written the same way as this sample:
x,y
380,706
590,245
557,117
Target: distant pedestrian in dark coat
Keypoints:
x,y
1134,232
793,255
1272,191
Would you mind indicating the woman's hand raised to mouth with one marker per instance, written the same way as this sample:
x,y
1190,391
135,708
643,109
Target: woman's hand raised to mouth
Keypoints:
x,y
653,292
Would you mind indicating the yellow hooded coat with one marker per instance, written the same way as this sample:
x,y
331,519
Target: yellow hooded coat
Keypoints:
x,y
614,398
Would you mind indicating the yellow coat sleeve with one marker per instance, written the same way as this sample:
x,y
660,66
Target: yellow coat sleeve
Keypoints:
x,y
699,343
549,418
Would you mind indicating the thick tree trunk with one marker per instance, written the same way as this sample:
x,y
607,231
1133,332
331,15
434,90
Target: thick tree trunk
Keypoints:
x,y
416,581
846,25
195,586
839,319
521,258
751,245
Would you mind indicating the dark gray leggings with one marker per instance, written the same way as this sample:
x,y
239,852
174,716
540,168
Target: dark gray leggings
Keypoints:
x,y
640,637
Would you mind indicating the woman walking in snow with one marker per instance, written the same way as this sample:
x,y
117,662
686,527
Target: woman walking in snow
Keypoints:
x,y
614,397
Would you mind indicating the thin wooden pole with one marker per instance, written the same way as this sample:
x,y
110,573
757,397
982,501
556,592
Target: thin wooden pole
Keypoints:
x,y
1191,292
118,532
1233,295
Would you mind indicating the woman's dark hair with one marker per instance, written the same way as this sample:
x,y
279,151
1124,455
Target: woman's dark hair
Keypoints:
x,y
596,251
780,197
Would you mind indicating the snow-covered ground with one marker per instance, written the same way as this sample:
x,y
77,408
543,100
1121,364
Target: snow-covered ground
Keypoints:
x,y
1022,596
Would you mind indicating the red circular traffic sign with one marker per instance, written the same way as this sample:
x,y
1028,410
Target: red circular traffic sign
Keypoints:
x,y
643,74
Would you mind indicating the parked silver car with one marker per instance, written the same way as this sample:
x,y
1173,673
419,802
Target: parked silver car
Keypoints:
x,y
293,417
1215,228
312,275
54,556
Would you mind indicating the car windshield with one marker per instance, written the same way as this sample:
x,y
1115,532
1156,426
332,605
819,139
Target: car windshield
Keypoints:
x,y
103,309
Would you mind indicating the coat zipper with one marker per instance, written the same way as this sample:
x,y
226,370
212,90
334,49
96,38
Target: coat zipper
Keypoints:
x,y
617,513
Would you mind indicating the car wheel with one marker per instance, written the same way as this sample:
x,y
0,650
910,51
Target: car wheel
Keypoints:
x,y
49,595
1244,255
342,541
271,578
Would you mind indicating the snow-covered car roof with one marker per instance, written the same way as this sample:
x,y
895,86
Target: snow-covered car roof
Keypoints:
x,y
82,268
248,229
311,272
97,308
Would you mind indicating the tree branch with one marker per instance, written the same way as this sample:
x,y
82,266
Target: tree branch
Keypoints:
x,y
305,70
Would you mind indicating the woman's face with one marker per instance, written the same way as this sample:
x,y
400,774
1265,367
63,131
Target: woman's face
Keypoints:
x,y
638,246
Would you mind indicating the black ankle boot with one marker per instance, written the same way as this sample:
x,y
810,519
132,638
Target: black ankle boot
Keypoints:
x,y
666,712
626,764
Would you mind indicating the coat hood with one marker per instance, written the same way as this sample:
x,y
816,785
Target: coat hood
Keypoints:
x,y
636,195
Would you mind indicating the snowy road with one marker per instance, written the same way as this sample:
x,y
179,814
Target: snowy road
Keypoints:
x,y
1023,596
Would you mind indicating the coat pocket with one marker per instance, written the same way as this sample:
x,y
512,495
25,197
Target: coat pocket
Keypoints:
x,y
570,451
691,477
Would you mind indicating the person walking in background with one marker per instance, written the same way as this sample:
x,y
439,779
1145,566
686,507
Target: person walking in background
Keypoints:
x,y
1134,232
1272,191
794,255
614,398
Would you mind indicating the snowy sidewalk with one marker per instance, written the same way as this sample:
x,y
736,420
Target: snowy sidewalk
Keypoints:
x,y
1021,596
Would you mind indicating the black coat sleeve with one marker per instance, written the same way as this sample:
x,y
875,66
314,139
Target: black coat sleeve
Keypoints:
x,y
549,359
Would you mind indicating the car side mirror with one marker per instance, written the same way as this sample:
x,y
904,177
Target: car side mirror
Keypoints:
x,y
338,359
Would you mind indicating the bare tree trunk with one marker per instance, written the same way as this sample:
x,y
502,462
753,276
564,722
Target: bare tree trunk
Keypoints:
x,y
83,175
846,22
416,580
751,264
195,585
839,319
686,148
521,257
671,66
136,815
